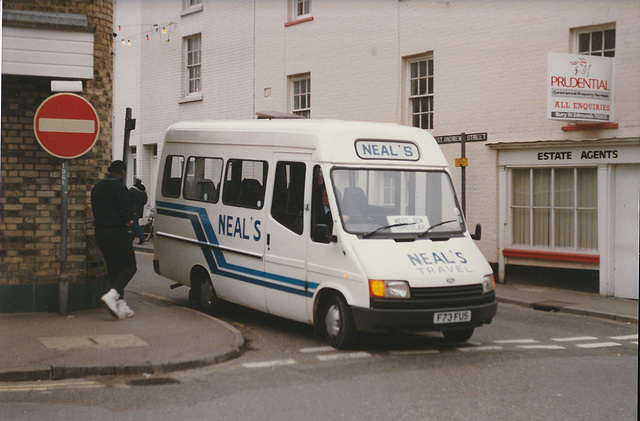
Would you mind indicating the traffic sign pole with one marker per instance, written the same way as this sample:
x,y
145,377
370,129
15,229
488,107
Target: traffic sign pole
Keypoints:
x,y
463,153
463,138
67,126
63,284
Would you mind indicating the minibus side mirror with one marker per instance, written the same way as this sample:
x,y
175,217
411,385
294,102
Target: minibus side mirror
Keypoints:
x,y
321,234
478,234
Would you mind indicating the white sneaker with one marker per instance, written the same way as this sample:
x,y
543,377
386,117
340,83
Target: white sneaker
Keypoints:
x,y
124,310
110,299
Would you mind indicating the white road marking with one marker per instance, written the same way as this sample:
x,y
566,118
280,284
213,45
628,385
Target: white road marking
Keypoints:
x,y
599,345
317,349
516,341
541,347
480,348
415,352
624,338
266,364
343,356
575,339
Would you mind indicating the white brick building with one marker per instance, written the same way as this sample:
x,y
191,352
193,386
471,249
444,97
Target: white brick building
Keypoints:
x,y
483,66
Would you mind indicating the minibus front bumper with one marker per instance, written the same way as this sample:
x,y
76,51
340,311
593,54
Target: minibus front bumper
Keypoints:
x,y
384,320
407,317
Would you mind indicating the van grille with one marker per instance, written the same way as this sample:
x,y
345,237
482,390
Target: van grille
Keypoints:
x,y
440,298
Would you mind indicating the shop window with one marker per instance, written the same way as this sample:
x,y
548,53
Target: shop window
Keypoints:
x,y
555,208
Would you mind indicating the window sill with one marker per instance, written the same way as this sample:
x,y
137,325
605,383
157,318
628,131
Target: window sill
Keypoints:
x,y
298,21
191,98
552,255
589,126
191,10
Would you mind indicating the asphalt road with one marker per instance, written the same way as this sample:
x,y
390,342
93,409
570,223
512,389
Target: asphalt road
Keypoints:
x,y
526,365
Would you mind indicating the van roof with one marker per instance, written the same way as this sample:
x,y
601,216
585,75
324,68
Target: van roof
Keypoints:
x,y
332,140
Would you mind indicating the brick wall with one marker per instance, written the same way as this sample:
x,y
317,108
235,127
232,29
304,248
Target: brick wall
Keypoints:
x,y
30,182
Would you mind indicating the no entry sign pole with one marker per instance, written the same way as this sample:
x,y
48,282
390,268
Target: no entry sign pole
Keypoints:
x,y
63,280
67,126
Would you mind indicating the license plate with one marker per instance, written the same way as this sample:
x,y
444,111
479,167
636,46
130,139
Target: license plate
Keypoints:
x,y
452,317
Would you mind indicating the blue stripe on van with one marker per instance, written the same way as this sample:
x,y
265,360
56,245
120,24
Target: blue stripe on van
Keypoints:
x,y
216,261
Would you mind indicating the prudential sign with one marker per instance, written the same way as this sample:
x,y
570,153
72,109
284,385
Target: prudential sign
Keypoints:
x,y
580,87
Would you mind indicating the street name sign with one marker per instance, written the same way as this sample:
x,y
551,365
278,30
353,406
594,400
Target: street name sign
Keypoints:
x,y
66,125
457,138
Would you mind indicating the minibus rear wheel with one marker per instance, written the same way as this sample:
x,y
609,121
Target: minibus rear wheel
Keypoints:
x,y
458,335
208,301
339,329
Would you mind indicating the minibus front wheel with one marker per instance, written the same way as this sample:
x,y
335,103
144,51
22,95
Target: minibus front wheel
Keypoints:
x,y
339,329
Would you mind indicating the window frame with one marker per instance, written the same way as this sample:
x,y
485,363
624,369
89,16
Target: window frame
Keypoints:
x,y
591,30
296,12
134,161
417,98
191,6
233,179
533,209
293,220
190,172
167,173
304,112
196,93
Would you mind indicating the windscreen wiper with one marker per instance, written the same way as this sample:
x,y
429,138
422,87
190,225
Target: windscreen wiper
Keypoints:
x,y
377,230
434,226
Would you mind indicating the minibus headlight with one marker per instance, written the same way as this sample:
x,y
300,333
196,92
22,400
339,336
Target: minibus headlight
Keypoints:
x,y
389,289
488,283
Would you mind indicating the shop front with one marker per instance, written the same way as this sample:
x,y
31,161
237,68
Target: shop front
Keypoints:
x,y
571,205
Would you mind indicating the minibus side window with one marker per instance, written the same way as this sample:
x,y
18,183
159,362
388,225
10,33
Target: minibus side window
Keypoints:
x,y
172,177
288,195
321,217
202,179
244,183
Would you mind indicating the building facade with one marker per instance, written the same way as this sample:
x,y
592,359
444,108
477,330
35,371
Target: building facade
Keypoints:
x,y
45,42
550,191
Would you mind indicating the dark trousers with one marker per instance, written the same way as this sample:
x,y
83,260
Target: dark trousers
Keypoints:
x,y
136,230
117,250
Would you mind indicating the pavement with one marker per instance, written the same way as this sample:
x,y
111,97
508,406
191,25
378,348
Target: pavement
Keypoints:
x,y
164,337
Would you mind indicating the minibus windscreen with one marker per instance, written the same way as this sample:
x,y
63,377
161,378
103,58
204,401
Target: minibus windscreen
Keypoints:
x,y
384,203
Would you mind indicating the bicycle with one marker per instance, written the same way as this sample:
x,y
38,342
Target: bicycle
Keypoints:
x,y
148,229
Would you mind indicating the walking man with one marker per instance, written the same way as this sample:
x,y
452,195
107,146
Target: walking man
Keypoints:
x,y
112,214
138,196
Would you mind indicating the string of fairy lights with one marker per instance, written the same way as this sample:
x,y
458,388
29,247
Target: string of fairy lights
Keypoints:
x,y
149,32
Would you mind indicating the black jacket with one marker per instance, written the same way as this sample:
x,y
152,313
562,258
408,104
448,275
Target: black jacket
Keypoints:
x,y
110,203
138,196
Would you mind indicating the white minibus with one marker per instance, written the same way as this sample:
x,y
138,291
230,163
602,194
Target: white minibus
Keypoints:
x,y
348,226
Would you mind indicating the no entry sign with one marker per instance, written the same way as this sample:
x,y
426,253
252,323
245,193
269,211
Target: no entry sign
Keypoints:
x,y
66,125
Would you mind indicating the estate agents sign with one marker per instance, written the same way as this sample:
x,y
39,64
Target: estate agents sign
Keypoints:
x,y
580,87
